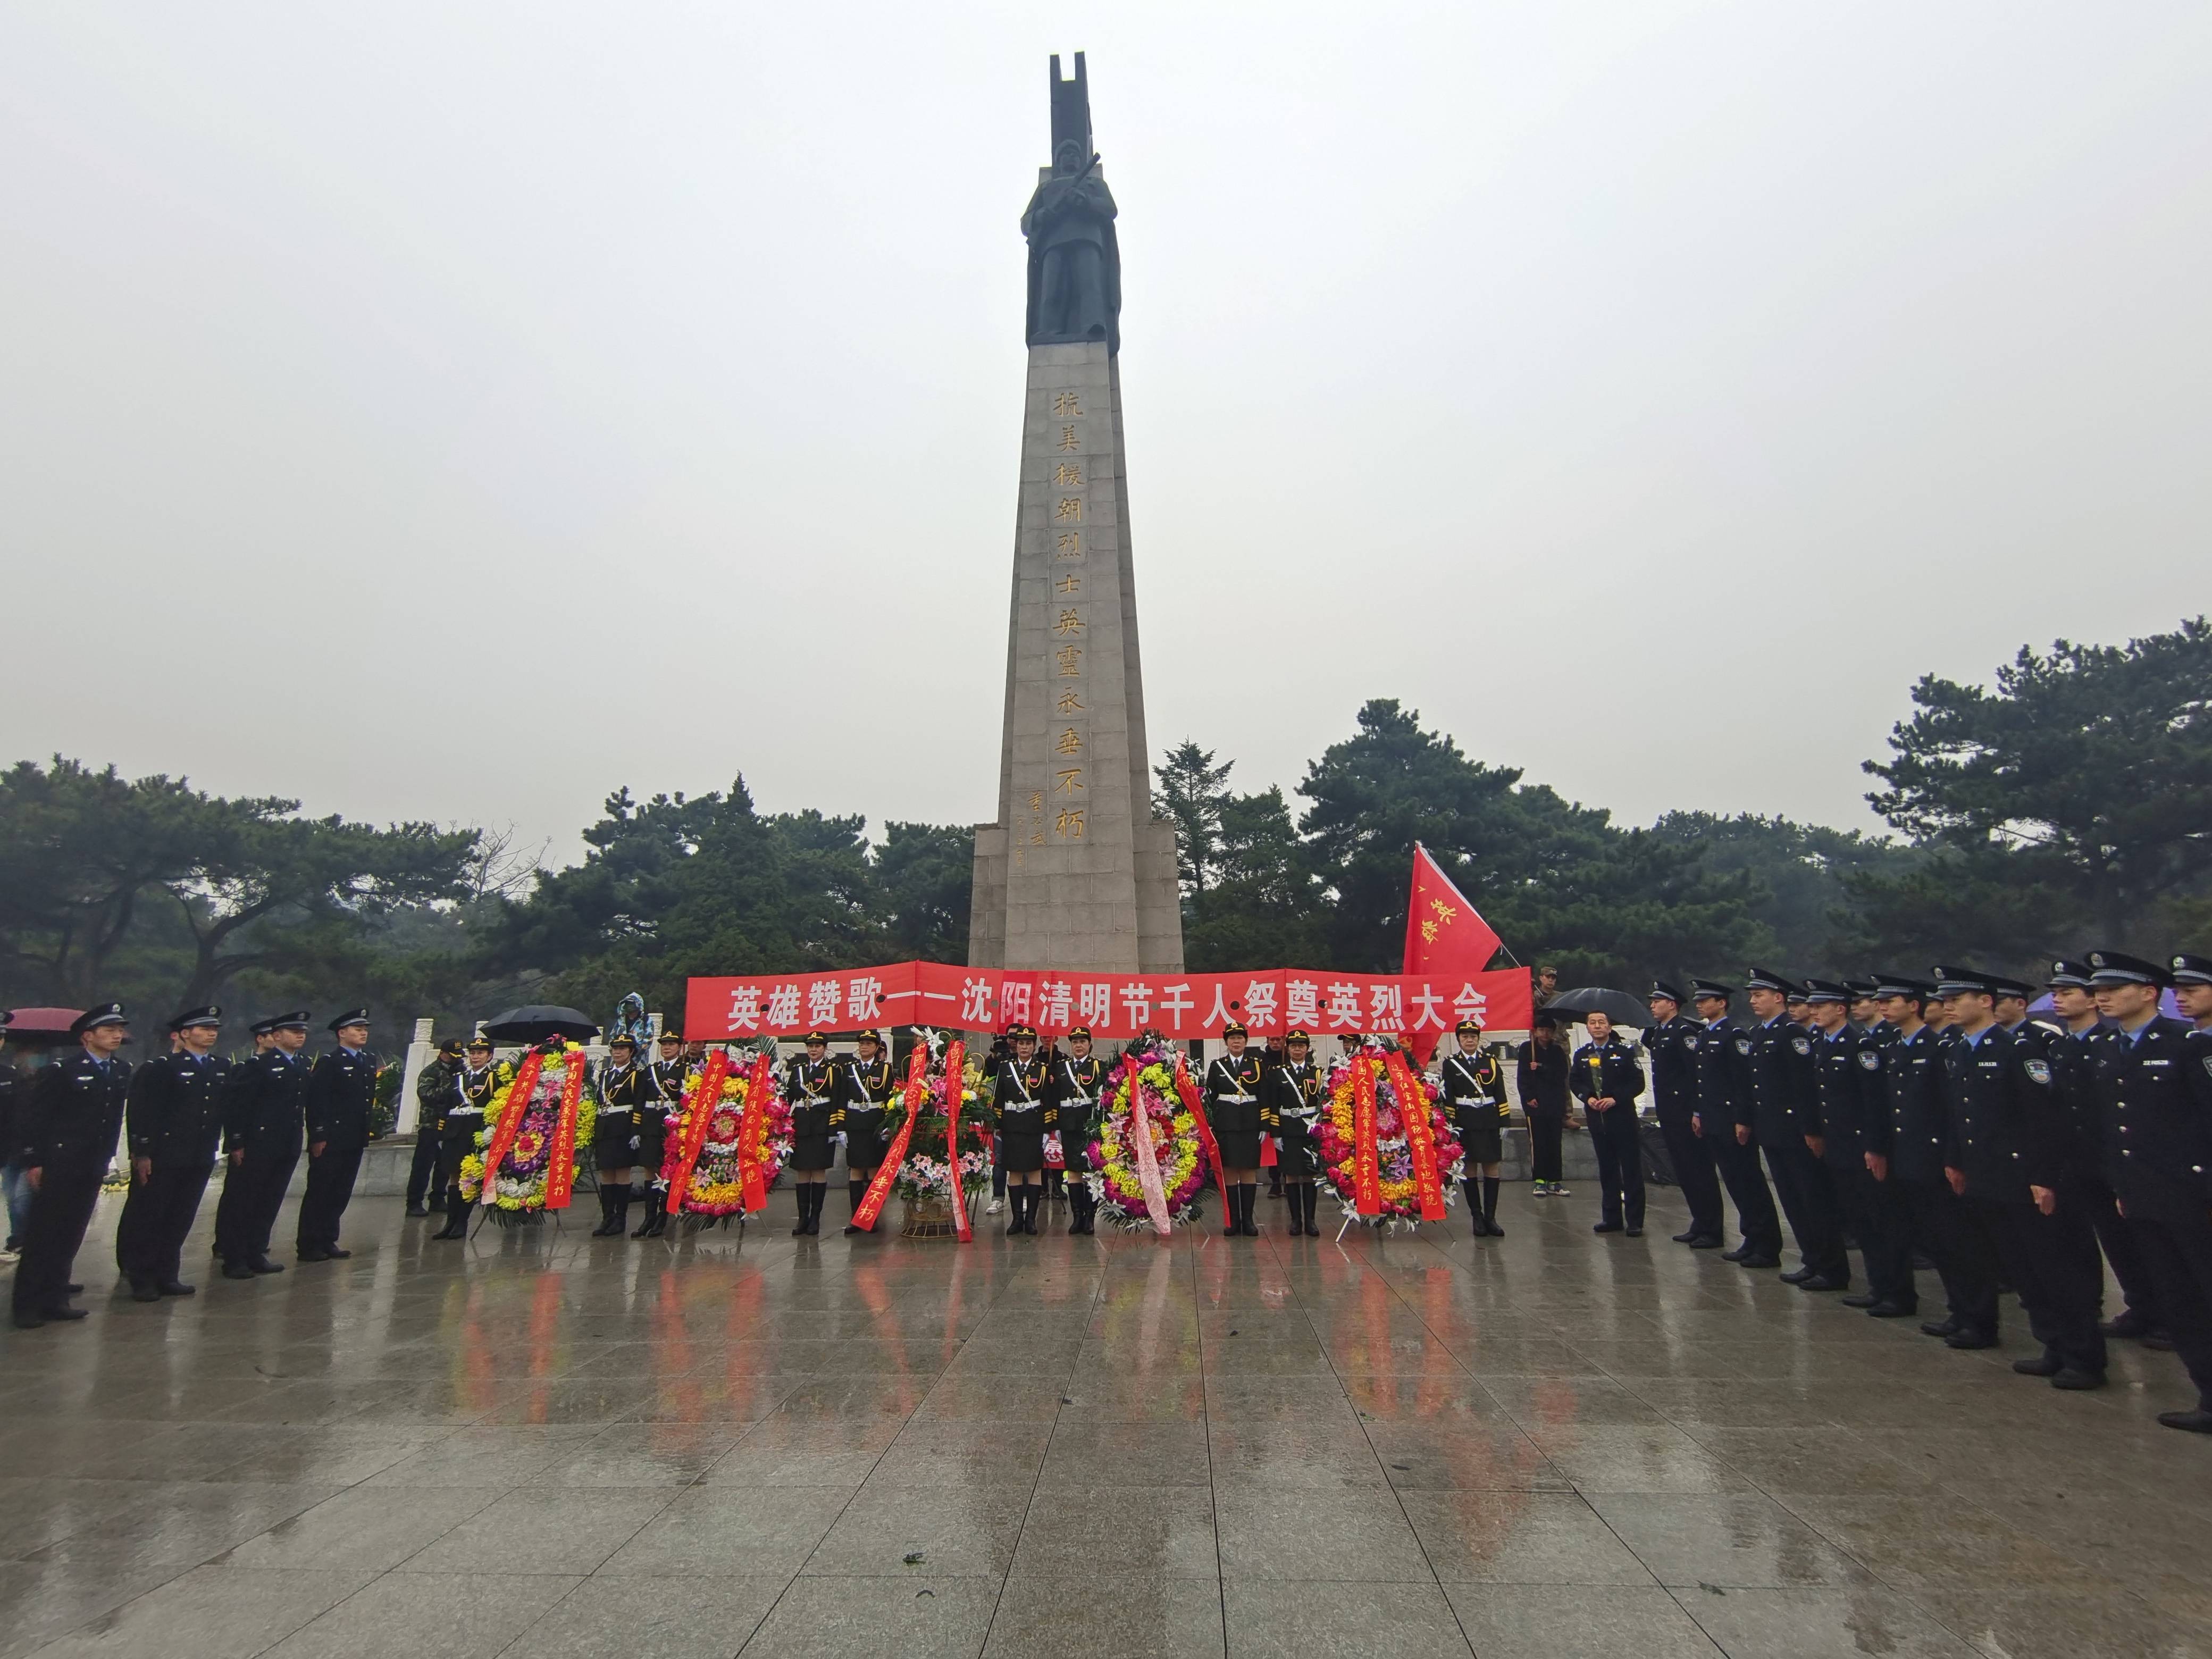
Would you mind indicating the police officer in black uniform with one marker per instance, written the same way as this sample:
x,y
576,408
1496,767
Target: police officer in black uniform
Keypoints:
x,y
341,1090
461,1119
1474,1098
2007,1160
1018,1105
1607,1077
426,1181
865,1089
810,1084
1291,1093
663,1093
1906,1144
1866,1010
1671,1040
1724,1123
1854,1110
1073,1091
621,1088
68,1130
263,1116
2152,1080
2073,1005
175,1130
1233,1110
1785,1106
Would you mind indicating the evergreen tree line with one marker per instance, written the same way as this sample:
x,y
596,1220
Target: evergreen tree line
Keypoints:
x,y
2067,802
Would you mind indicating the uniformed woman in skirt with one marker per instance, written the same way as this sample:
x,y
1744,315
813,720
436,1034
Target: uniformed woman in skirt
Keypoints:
x,y
809,1084
659,1093
1232,1108
864,1094
1073,1091
1019,1107
1289,1107
621,1088
468,1099
1474,1099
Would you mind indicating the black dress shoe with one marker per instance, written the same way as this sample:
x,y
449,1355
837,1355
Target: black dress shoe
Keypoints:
x,y
1822,1282
178,1287
337,1254
145,1290
2077,1382
2129,1324
1760,1263
2196,1422
63,1313
2043,1364
1707,1242
74,1289
1892,1310
1632,1232
1966,1341
263,1265
1866,1300
1798,1275
1737,1254
1685,1238
1313,1231
1940,1327
417,1213
1606,1227
236,1270
314,1255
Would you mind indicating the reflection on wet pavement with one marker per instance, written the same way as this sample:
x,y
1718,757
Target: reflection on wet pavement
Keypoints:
x,y
544,1444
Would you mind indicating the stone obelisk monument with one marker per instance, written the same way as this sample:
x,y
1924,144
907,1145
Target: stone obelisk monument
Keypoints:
x,y
1077,872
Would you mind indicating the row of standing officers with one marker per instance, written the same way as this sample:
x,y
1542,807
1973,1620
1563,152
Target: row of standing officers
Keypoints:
x,y
2004,1150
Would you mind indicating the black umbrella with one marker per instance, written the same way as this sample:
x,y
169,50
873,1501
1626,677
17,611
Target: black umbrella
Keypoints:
x,y
540,1020
1618,1006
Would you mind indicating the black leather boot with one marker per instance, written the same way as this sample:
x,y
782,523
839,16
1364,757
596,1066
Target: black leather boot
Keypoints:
x,y
855,1191
1490,1207
608,1226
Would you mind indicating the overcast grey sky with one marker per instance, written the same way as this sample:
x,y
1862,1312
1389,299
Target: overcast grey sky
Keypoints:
x,y
456,410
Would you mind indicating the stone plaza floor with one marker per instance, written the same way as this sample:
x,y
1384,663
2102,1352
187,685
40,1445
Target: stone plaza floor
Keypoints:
x,y
1551,1444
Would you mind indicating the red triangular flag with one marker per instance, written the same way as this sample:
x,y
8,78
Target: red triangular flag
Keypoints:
x,y
1445,933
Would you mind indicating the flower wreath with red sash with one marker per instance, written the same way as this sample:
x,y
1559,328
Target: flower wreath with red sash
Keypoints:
x,y
532,1130
1387,1164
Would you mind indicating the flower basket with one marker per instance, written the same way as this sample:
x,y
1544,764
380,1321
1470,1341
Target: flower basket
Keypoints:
x,y
1336,1131
1145,1081
928,1215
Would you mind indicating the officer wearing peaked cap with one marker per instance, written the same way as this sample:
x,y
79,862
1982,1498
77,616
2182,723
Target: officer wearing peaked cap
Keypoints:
x,y
1671,1040
2070,1047
1866,1009
1854,1108
263,1119
1290,1110
1724,1123
1232,1110
866,1088
175,1116
425,1191
809,1084
1072,1093
1474,1098
68,1135
1018,1105
2008,1158
1786,1105
2192,987
2151,1076
1908,1149
1607,1079
341,1090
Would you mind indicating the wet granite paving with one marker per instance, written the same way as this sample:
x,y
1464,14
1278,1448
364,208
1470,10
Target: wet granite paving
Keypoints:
x,y
1551,1444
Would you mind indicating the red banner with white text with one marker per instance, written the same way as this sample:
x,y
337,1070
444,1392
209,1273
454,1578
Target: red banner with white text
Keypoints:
x,y
1115,1006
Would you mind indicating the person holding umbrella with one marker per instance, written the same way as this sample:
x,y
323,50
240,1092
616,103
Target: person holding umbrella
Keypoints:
x,y
1607,1077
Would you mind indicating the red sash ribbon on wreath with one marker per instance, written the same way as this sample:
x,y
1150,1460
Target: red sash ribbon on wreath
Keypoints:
x,y
510,1122
880,1184
1367,1163
561,1173
1193,1102
753,1135
1420,1134
698,1114
956,1057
